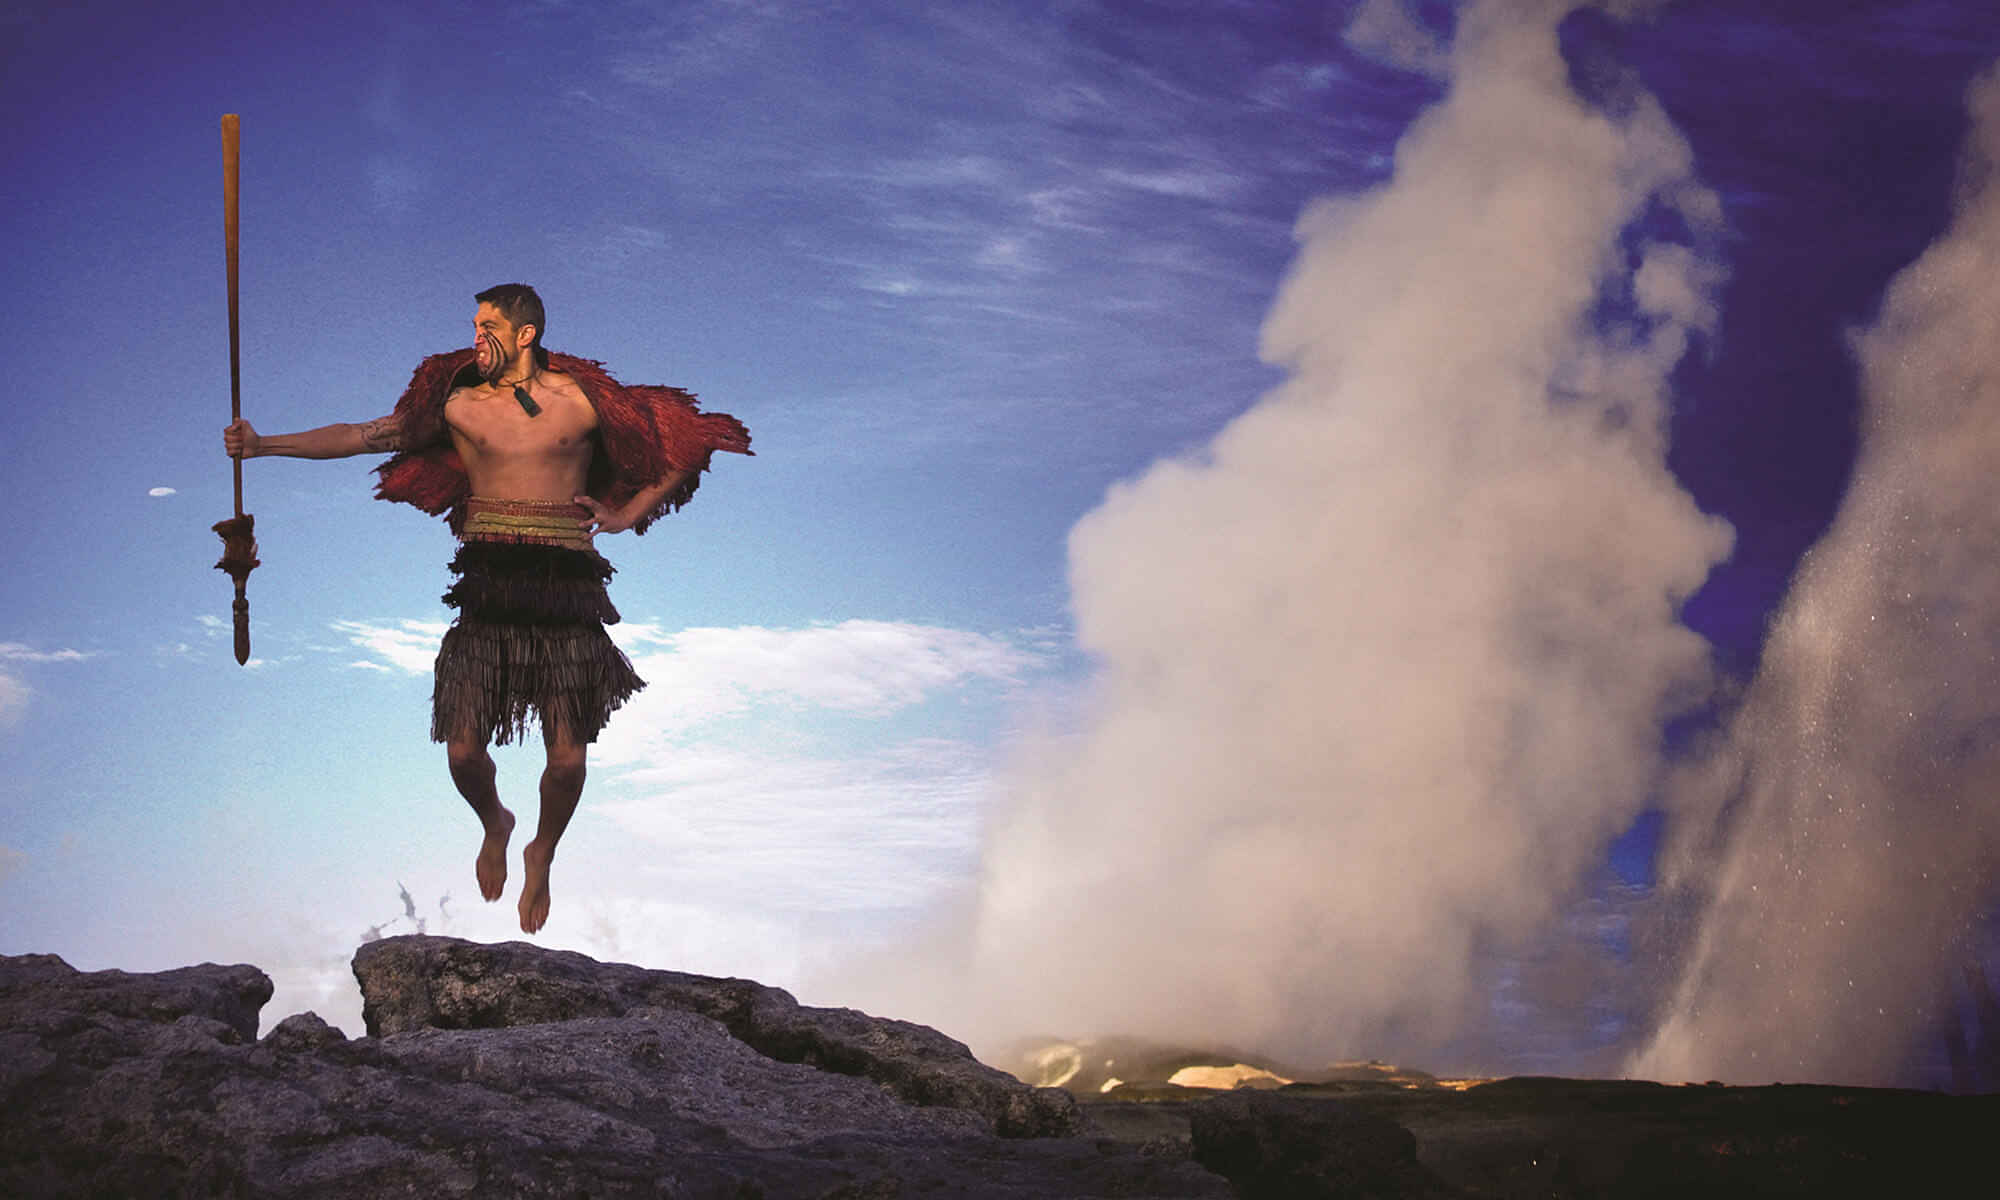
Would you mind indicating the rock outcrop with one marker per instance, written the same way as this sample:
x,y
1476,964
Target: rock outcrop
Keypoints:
x,y
514,1071
442,983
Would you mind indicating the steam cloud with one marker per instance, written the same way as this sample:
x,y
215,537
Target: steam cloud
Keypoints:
x,y
1383,670
1843,841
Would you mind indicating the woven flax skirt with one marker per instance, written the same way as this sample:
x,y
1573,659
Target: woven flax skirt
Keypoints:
x,y
532,607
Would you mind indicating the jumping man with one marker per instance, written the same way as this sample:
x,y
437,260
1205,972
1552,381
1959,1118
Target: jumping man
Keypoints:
x,y
528,455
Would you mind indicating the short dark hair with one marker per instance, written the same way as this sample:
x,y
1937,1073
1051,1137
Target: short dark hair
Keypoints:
x,y
520,305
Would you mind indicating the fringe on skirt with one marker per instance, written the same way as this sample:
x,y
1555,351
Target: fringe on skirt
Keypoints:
x,y
529,639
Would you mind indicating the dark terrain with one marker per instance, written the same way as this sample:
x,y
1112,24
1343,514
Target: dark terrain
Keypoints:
x,y
509,1070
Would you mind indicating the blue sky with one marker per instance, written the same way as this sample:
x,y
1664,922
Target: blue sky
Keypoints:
x,y
964,274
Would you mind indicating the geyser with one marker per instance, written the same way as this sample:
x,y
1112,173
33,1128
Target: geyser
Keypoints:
x,y
1383,668
1841,843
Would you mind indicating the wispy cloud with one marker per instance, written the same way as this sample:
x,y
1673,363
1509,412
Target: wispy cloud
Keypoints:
x,y
407,646
1184,182
1003,195
616,247
11,860
160,491
773,765
698,677
775,781
14,691
989,183
19,652
694,42
807,834
868,668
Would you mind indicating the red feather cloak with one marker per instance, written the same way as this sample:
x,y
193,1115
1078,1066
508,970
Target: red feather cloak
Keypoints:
x,y
643,434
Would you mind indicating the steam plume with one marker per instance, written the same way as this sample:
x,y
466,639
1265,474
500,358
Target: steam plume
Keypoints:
x,y
1383,669
1844,838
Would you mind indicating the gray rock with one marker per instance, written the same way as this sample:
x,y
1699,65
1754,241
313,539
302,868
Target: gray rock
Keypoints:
x,y
33,983
114,1084
445,983
303,1031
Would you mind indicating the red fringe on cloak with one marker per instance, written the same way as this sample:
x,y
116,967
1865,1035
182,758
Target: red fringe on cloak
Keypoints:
x,y
645,433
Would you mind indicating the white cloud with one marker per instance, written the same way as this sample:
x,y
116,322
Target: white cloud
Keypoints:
x,y
864,668
785,787
14,691
408,646
635,239
160,491
699,675
1007,254
1067,206
18,652
893,286
1186,183
802,834
707,936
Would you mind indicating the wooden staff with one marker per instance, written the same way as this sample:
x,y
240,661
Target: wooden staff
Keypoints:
x,y
239,544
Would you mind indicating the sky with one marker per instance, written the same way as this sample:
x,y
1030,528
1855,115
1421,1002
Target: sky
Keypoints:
x,y
1451,532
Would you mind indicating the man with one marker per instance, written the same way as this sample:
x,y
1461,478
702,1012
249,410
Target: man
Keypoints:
x,y
529,455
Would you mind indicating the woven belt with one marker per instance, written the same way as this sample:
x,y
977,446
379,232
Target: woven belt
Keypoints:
x,y
532,522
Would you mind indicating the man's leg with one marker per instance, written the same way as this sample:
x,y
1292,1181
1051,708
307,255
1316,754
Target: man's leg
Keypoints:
x,y
562,785
472,771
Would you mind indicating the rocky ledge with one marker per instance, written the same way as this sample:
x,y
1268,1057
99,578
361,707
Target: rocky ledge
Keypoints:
x,y
513,1071
510,1070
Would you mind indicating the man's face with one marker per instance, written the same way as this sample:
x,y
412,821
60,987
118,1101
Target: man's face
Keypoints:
x,y
497,341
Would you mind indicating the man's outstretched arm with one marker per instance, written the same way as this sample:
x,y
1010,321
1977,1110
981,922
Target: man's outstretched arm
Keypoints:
x,y
383,435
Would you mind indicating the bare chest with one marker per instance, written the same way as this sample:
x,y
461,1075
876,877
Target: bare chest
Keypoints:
x,y
493,425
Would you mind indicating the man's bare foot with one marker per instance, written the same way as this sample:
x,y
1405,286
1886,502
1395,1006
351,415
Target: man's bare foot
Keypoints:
x,y
492,865
535,858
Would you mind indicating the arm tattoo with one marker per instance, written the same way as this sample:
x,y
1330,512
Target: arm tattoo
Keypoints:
x,y
382,434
